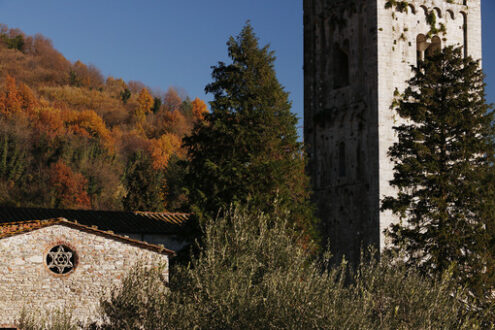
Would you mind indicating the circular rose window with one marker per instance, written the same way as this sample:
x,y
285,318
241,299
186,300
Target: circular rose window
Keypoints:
x,y
60,259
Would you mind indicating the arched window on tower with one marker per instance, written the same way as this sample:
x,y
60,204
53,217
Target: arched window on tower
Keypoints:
x,y
435,47
421,46
341,65
425,10
438,12
425,49
451,14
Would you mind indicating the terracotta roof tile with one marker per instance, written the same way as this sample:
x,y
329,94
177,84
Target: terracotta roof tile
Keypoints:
x,y
16,228
117,221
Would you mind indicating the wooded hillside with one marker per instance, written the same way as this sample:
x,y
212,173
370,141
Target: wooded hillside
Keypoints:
x,y
71,138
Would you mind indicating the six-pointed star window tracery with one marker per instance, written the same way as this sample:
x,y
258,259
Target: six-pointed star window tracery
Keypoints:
x,y
60,259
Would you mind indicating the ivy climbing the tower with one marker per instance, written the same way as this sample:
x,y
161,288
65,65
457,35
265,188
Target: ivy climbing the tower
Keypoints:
x,y
402,6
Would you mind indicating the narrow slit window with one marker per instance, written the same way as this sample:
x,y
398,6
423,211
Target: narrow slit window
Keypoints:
x,y
340,66
342,159
465,31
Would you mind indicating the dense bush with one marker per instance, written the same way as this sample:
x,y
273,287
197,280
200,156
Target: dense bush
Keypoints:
x,y
56,320
250,273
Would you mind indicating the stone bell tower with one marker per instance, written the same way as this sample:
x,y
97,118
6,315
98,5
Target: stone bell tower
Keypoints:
x,y
356,54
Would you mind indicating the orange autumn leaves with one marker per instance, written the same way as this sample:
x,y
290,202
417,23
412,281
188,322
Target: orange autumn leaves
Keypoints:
x,y
69,187
52,122
20,100
163,148
145,102
15,99
73,115
199,109
89,124
76,132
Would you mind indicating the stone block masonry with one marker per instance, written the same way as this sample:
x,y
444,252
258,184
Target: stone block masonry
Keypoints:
x,y
100,264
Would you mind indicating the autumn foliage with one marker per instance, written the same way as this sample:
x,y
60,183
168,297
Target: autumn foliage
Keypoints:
x,y
69,136
10,99
163,148
199,109
70,189
145,102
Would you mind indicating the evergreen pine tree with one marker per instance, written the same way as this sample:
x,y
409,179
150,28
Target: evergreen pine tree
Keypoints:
x,y
143,185
444,161
246,149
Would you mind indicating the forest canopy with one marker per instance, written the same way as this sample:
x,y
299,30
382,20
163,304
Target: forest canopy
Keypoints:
x,y
72,138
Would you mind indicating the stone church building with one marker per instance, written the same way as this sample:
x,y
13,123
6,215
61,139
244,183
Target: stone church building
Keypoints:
x,y
357,54
65,263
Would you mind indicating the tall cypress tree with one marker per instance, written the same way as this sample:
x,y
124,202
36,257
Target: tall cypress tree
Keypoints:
x,y
444,161
246,149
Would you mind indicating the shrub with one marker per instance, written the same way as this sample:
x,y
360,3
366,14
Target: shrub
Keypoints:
x,y
251,272
60,319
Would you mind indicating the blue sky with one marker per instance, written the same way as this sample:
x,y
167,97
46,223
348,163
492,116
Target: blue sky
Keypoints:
x,y
174,43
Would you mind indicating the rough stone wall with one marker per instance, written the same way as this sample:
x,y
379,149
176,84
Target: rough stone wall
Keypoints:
x,y
397,33
341,122
380,45
101,265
